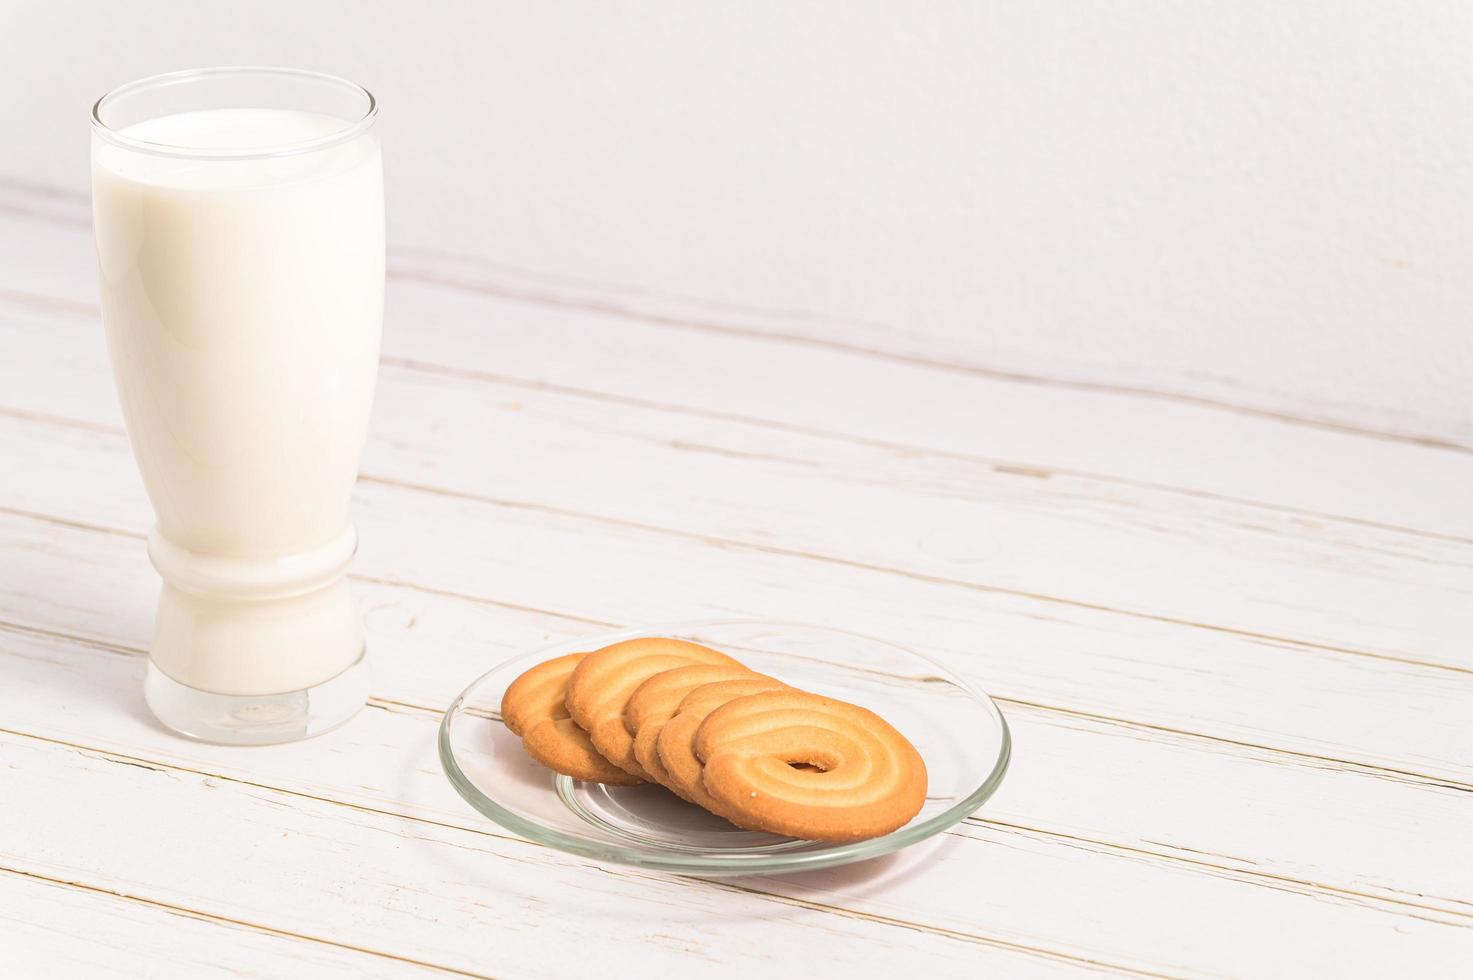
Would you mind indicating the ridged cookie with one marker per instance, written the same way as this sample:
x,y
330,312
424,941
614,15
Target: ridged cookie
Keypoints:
x,y
602,683
533,707
675,745
872,779
655,701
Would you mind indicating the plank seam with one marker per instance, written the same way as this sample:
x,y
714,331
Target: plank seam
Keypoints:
x,y
433,715
999,464
606,308
1387,771
110,755
925,577
228,921
611,307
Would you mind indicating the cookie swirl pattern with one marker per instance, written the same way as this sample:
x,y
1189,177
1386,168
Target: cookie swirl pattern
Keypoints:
x,y
601,685
533,707
871,780
676,742
655,702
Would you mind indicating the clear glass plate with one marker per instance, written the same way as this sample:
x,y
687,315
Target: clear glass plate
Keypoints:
x,y
959,732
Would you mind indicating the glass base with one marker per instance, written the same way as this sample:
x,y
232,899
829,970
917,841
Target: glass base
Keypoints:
x,y
263,719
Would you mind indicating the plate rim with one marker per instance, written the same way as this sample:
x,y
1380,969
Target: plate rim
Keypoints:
x,y
735,863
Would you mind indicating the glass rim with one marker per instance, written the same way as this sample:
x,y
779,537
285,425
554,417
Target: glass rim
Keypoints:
x,y
352,128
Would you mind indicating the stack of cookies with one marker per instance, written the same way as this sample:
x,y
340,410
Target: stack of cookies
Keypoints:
x,y
743,745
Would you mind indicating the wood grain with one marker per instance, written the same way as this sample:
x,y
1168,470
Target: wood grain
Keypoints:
x,y
55,927
63,208
1050,887
356,877
888,343
469,325
1072,794
1231,636
1273,693
1060,539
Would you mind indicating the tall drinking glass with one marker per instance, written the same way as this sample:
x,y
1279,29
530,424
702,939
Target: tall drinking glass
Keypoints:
x,y
238,215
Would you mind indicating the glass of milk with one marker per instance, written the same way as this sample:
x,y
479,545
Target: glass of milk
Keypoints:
x,y
238,215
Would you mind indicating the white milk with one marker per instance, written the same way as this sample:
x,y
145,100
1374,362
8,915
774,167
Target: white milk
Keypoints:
x,y
243,302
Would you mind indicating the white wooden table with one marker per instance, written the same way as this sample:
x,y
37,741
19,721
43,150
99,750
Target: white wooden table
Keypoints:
x,y
1234,642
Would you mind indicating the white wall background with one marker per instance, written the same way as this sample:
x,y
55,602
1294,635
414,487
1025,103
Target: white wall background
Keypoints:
x,y
1275,193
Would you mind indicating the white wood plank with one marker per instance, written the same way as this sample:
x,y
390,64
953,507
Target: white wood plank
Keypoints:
x,y
25,200
422,639
951,354
1077,540
476,900
1352,708
53,929
1300,821
468,901
448,314
32,201
1136,439
1250,568
525,549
